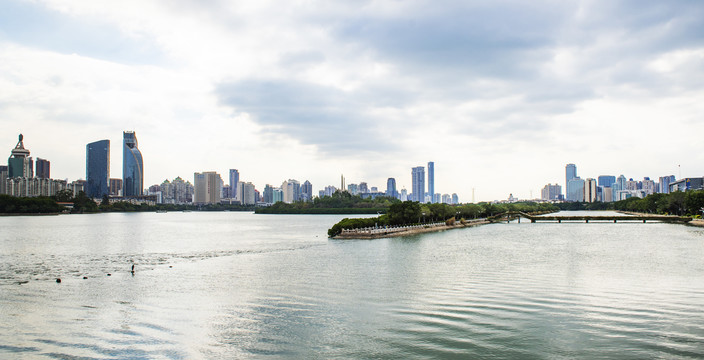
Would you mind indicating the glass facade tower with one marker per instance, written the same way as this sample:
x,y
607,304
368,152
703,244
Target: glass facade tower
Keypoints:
x,y
391,188
418,184
98,169
132,166
234,180
570,173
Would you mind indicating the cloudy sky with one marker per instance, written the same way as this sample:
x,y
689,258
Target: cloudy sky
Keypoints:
x,y
500,94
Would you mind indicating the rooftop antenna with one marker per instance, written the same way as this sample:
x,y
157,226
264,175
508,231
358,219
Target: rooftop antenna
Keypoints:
x,y
679,169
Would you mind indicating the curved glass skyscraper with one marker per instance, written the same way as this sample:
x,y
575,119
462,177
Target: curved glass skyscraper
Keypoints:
x,y
98,168
132,166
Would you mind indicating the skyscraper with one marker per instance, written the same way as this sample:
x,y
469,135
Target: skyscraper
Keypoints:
x,y
207,187
43,167
234,179
391,188
431,182
291,190
307,191
551,192
570,173
590,192
576,190
664,183
606,180
97,169
418,184
19,162
132,166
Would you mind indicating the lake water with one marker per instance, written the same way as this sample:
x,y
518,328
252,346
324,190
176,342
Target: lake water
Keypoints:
x,y
240,285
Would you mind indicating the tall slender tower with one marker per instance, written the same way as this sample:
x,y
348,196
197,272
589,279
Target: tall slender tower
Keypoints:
x,y
418,184
234,181
570,173
132,166
431,181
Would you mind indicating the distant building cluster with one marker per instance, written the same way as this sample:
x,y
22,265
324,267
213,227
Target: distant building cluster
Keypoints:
x,y
23,177
609,188
419,191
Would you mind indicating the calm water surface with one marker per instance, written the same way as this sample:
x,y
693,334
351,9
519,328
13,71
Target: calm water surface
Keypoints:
x,y
239,285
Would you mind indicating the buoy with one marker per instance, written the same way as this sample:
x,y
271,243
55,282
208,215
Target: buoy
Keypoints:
x,y
58,280
85,277
109,274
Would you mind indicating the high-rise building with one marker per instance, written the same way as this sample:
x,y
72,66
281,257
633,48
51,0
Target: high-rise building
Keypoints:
x,y
97,169
307,191
391,188
115,187
328,191
576,190
3,179
353,189
664,183
291,191
234,179
19,163
183,191
606,180
551,192
570,173
431,182
268,194
446,199
277,195
590,191
363,188
247,194
403,196
43,167
418,184
207,188
648,186
132,166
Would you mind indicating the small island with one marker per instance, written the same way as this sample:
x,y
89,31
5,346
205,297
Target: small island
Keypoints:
x,y
410,217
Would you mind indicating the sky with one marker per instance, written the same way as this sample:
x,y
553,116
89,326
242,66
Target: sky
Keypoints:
x,y
501,95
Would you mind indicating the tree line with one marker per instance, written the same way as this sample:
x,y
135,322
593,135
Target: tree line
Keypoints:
x,y
688,203
413,213
341,202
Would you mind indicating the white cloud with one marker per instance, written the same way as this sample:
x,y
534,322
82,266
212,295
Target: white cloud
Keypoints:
x,y
499,95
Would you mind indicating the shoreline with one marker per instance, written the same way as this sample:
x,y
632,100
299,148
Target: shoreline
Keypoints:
x,y
380,233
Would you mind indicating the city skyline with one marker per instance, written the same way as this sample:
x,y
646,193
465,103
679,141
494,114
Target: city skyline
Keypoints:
x,y
492,92
97,160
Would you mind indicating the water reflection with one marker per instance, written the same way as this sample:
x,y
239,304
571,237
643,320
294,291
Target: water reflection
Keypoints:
x,y
230,285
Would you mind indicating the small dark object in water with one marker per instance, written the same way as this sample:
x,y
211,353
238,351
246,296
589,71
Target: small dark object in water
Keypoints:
x,y
85,277
58,280
170,266
109,274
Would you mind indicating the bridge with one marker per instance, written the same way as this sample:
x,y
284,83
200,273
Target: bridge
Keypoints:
x,y
510,215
